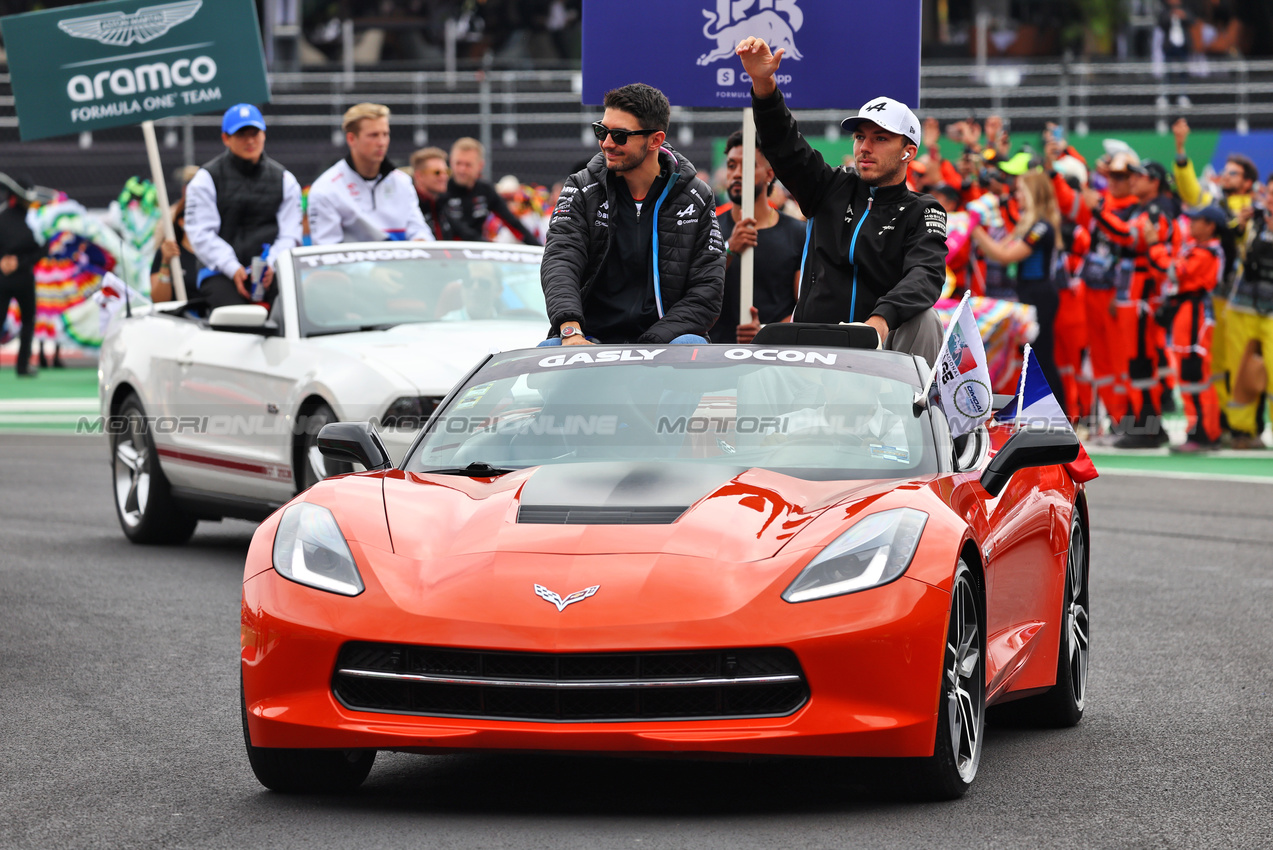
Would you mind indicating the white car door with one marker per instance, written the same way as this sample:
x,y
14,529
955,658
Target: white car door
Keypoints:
x,y
238,385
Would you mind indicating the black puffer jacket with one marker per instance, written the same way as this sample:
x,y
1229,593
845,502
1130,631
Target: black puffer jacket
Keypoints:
x,y
689,274
881,254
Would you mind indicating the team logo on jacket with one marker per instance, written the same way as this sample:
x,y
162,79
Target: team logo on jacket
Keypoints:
x,y
120,30
776,21
578,596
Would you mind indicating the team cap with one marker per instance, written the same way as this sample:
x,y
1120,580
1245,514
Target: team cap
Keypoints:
x,y
1211,213
890,114
241,115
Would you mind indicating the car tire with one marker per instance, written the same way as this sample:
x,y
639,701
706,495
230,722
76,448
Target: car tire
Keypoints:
x,y
1061,706
143,498
295,771
948,773
311,466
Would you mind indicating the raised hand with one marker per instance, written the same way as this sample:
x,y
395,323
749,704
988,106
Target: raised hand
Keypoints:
x,y
760,64
932,133
1181,131
1092,199
1150,232
994,126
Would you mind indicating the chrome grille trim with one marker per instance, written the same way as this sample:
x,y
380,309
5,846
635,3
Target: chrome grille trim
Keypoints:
x,y
574,685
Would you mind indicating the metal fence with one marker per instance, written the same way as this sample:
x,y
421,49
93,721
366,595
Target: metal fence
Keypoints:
x,y
535,126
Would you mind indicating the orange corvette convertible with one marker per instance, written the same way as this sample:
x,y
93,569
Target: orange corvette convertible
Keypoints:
x,y
767,549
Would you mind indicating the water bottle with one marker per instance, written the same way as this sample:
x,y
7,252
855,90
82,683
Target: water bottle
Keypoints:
x,y
259,265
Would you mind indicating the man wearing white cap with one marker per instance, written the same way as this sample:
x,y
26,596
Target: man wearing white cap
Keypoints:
x,y
876,251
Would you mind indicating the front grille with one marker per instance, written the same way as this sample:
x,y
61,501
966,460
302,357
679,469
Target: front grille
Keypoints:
x,y
592,515
443,682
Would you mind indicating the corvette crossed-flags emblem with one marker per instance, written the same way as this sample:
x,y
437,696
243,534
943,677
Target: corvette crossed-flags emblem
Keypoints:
x,y
578,596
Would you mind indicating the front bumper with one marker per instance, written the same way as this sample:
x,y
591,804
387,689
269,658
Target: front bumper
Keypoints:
x,y
871,660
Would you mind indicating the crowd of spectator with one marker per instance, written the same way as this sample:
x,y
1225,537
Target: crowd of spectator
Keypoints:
x,y
1149,281
416,30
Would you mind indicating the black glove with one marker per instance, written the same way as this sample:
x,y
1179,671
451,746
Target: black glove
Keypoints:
x,y
1166,312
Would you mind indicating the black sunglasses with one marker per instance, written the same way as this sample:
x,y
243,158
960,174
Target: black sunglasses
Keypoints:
x,y
620,136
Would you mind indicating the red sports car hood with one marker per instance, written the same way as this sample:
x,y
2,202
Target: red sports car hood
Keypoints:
x,y
474,557
729,514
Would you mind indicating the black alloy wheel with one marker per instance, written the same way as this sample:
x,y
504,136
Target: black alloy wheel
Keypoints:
x,y
948,773
1061,706
143,498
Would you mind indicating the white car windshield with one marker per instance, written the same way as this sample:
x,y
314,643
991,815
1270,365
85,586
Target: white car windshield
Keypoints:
x,y
812,413
346,291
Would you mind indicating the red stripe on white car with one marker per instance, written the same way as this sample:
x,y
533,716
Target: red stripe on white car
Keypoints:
x,y
272,471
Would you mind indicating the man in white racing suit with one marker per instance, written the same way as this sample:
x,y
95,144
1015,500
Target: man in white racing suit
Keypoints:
x,y
364,198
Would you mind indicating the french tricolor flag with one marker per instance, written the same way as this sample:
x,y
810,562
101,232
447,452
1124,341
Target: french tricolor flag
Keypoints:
x,y
1036,406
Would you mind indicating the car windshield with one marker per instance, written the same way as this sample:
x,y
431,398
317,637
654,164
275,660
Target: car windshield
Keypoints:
x,y
345,291
811,413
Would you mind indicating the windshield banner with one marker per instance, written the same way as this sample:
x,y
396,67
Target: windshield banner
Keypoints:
x,y
839,54
122,62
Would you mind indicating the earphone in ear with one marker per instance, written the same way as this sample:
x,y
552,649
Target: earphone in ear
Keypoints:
x,y
906,156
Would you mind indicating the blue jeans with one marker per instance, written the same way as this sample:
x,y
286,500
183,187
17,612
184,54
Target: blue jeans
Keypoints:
x,y
683,339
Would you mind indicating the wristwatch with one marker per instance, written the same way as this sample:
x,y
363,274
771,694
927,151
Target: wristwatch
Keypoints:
x,y
570,330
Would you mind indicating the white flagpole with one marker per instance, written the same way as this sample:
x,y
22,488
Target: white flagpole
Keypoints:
x,y
1025,365
161,195
954,320
747,271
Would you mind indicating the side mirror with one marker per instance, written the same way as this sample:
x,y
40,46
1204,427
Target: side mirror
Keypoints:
x,y
1028,448
353,441
242,319
971,449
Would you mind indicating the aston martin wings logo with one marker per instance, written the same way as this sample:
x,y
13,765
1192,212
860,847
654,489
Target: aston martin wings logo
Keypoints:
x,y
120,30
578,596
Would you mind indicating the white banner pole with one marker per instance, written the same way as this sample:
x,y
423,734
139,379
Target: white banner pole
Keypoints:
x,y
747,271
161,193
1025,366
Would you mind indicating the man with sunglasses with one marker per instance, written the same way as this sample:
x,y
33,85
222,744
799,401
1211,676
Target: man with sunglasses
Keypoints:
x,y
876,251
430,174
634,252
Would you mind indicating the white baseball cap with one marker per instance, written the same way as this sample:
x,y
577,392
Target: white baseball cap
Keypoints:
x,y
892,115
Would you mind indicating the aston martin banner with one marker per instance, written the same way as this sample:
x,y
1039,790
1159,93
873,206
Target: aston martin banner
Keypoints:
x,y
122,62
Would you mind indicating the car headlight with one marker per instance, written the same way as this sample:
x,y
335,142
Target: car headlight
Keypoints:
x,y
876,550
310,549
410,411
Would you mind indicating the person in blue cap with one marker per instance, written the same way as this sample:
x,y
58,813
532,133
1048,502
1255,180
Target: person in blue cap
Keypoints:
x,y
237,204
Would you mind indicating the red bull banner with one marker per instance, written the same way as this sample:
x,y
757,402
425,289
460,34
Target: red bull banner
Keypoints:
x,y
838,53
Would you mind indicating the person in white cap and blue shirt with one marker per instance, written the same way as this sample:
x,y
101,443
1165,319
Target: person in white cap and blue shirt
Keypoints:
x,y
236,205
875,252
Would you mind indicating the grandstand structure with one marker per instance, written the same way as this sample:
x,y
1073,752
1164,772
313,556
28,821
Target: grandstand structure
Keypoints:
x,y
535,127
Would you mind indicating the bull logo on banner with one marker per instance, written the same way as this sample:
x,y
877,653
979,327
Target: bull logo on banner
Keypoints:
x,y
776,21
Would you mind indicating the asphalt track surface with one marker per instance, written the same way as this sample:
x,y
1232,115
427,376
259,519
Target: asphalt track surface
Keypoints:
x,y
121,728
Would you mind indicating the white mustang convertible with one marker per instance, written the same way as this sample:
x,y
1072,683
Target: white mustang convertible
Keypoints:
x,y
218,417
